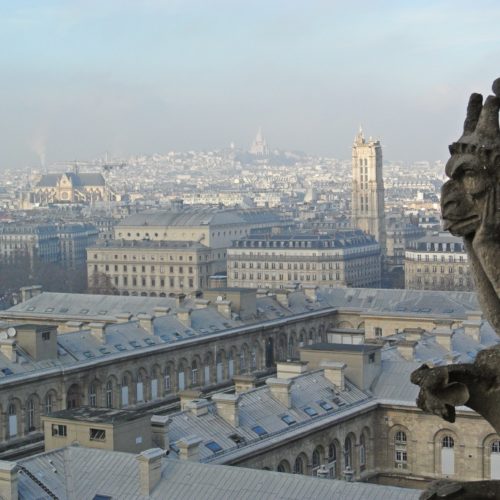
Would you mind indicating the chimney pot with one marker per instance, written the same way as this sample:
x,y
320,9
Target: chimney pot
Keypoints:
x,y
150,469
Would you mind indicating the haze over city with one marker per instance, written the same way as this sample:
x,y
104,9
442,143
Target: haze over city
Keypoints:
x,y
85,77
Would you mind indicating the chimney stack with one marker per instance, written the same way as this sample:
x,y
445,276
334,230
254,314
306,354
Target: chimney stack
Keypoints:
x,y
291,369
334,372
149,469
282,297
227,407
407,349
224,308
184,316
281,390
98,330
310,291
179,299
159,431
243,383
123,317
161,311
188,395
189,448
8,480
146,322
8,349
197,407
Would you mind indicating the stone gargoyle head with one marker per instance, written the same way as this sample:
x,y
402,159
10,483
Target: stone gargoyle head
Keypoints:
x,y
470,200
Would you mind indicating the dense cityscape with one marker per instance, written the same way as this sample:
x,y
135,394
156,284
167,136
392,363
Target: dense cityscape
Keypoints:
x,y
189,310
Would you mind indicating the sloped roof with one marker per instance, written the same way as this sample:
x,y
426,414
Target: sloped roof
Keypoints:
x,y
77,473
78,180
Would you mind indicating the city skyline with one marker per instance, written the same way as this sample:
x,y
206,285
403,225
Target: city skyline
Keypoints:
x,y
85,78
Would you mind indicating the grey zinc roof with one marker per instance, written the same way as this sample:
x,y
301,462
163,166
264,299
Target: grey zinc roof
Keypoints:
x,y
394,382
102,307
259,407
418,302
77,473
200,217
88,179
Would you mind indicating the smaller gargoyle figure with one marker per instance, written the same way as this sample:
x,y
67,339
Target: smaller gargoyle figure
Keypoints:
x,y
470,205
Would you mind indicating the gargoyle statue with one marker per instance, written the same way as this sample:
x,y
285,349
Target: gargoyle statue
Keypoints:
x,y
470,206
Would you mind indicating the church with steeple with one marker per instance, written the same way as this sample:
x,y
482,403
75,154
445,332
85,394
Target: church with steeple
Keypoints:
x,y
368,188
259,145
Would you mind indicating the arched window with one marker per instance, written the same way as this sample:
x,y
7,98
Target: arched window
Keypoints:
x,y
168,380
362,452
49,403
253,359
332,460
283,466
12,420
316,459
194,372
139,389
125,390
348,452
92,395
230,365
31,415
243,364
298,466
495,460
447,456
400,450
109,394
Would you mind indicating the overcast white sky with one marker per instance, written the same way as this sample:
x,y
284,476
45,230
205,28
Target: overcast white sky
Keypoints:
x,y
81,77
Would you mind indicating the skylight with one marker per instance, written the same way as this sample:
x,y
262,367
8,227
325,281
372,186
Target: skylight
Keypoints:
x,y
288,419
310,411
120,347
7,371
260,431
326,406
213,446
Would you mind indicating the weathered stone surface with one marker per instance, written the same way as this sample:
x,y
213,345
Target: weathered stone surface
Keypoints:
x,y
470,205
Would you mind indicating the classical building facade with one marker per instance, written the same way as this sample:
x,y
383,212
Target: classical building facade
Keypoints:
x,y
437,262
368,188
153,268
175,250
342,258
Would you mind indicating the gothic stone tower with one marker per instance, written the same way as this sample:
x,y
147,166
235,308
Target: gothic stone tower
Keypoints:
x,y
368,188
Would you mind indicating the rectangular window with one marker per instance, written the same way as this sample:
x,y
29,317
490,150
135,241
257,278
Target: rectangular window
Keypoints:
x,y
97,434
59,430
45,335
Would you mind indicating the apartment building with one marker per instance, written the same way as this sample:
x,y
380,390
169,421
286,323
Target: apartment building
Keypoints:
x,y
437,262
343,258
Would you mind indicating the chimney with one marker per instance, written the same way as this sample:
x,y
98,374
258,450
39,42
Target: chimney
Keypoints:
x,y
70,326
28,292
179,299
290,369
187,396
472,326
334,372
413,333
197,407
159,431
243,383
201,303
146,322
184,316
407,349
443,338
7,348
281,390
310,291
8,480
98,330
149,469
123,317
282,297
227,407
224,308
189,448
161,311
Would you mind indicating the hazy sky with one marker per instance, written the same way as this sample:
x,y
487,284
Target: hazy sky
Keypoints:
x,y
140,76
